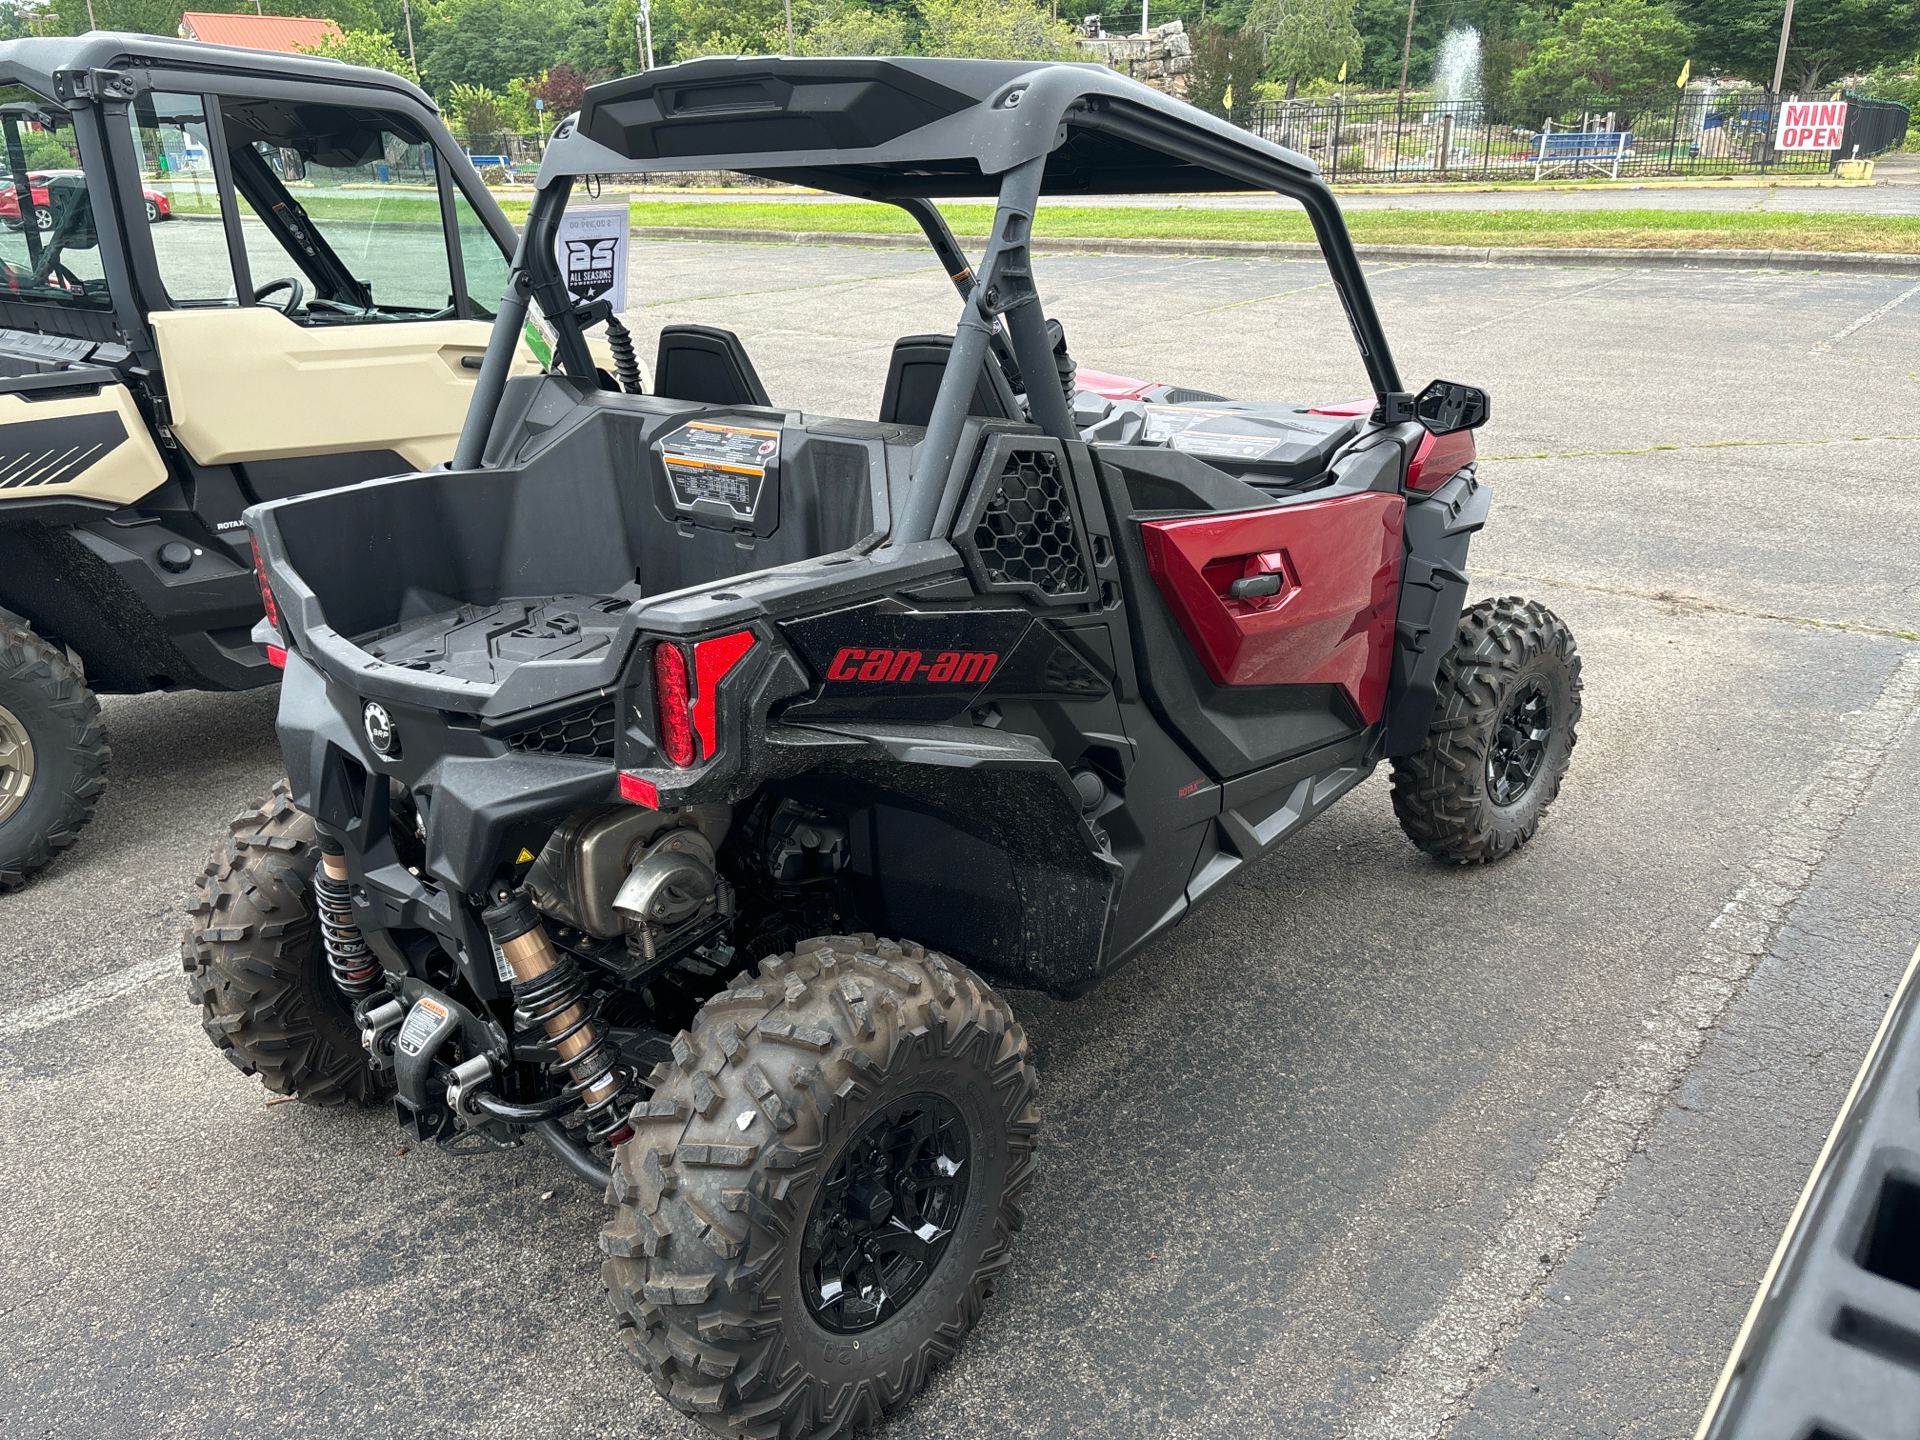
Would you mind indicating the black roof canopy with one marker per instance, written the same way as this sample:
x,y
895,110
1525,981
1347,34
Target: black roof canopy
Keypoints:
x,y
904,127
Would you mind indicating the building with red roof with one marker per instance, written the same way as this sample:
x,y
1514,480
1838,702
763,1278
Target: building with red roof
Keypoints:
x,y
289,34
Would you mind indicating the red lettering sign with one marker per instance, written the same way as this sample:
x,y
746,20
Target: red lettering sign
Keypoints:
x,y
1811,125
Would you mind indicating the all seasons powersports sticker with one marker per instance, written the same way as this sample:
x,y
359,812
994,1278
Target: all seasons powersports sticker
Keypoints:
x,y
723,465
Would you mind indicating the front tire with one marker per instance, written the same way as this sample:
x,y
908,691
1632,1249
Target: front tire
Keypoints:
x,y
256,966
801,1273
53,754
1503,730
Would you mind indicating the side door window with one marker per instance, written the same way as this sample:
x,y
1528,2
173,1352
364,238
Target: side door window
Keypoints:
x,y
181,199
49,246
340,212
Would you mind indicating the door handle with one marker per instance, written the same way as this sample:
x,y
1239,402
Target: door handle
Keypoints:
x,y
1255,587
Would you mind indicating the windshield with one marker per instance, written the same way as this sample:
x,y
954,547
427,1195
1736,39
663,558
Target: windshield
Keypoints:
x,y
49,249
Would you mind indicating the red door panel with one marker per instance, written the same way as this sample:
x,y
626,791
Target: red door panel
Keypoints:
x,y
1331,620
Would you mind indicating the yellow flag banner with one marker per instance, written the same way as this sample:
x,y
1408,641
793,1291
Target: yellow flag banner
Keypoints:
x,y
1341,78
1685,71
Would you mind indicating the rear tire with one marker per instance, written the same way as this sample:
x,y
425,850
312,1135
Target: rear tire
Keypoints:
x,y
1503,730
876,1081
53,754
257,968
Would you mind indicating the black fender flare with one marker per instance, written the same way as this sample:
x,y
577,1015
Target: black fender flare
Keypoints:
x,y
1433,592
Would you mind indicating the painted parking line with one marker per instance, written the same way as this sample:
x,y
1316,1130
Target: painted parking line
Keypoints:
x,y
1430,1383
81,998
1865,320
1540,305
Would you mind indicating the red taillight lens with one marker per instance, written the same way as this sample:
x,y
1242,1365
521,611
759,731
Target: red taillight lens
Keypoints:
x,y
266,590
675,737
639,791
277,657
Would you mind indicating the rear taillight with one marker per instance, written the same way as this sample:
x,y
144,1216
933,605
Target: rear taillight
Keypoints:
x,y
266,590
673,724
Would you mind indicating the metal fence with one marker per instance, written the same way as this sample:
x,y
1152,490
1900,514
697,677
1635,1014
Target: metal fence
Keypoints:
x,y
1697,131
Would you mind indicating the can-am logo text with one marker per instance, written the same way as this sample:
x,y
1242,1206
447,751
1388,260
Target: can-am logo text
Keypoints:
x,y
948,667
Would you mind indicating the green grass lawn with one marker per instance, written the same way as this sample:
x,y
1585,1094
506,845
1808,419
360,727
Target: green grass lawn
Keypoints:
x,y
1622,229
1494,225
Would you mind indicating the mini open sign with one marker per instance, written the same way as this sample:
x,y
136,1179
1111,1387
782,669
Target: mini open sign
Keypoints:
x,y
1811,125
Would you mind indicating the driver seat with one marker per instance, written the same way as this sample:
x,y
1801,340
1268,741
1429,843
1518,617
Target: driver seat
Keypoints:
x,y
706,365
914,372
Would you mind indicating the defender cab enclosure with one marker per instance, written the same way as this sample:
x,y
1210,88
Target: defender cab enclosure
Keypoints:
x,y
683,769
225,277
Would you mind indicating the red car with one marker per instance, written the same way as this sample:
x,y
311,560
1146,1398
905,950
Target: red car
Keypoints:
x,y
158,208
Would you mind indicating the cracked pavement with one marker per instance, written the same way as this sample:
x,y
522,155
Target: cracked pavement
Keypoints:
x,y
1302,1158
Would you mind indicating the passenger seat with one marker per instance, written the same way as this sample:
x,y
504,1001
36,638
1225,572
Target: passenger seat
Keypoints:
x,y
914,373
706,365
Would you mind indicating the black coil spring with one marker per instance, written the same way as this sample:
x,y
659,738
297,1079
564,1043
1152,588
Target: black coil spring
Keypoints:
x,y
355,968
626,365
549,995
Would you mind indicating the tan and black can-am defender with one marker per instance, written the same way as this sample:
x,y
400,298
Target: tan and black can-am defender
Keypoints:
x,y
226,277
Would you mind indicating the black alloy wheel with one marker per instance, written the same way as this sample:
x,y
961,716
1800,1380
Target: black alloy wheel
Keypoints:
x,y
1519,743
881,1221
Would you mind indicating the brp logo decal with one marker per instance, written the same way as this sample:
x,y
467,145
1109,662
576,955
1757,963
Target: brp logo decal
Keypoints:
x,y
381,733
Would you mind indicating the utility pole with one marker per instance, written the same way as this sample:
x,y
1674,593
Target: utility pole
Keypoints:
x,y
406,12
1780,60
643,33
1406,48
1143,17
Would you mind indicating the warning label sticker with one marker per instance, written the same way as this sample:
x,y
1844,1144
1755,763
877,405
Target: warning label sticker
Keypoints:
x,y
1216,434
720,464
425,1017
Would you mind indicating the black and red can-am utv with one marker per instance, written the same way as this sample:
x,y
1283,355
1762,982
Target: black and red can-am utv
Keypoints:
x,y
672,777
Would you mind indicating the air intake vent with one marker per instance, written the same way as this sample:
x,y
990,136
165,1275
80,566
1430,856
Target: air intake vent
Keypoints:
x,y
1020,529
587,731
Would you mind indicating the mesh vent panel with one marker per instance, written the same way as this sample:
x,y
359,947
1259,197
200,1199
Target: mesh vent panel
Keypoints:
x,y
1025,535
587,731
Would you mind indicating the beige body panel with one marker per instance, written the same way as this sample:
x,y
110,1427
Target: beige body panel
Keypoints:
x,y
85,447
246,383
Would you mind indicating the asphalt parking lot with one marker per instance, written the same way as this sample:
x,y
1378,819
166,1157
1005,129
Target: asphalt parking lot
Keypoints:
x,y
1367,1148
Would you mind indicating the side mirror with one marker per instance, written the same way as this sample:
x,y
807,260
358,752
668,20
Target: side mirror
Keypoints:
x,y
1446,406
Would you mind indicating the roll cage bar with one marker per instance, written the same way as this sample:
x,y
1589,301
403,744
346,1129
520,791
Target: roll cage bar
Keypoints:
x,y
984,131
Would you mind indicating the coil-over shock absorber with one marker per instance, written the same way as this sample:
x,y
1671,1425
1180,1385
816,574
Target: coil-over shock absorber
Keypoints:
x,y
550,992
356,970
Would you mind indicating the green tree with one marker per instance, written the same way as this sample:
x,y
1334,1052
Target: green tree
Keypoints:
x,y
490,43
1307,39
1224,62
837,28
683,29
372,48
1606,48
994,30
1830,37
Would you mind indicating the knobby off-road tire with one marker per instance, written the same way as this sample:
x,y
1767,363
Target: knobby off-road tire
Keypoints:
x,y
1513,671
825,1048
53,753
256,967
